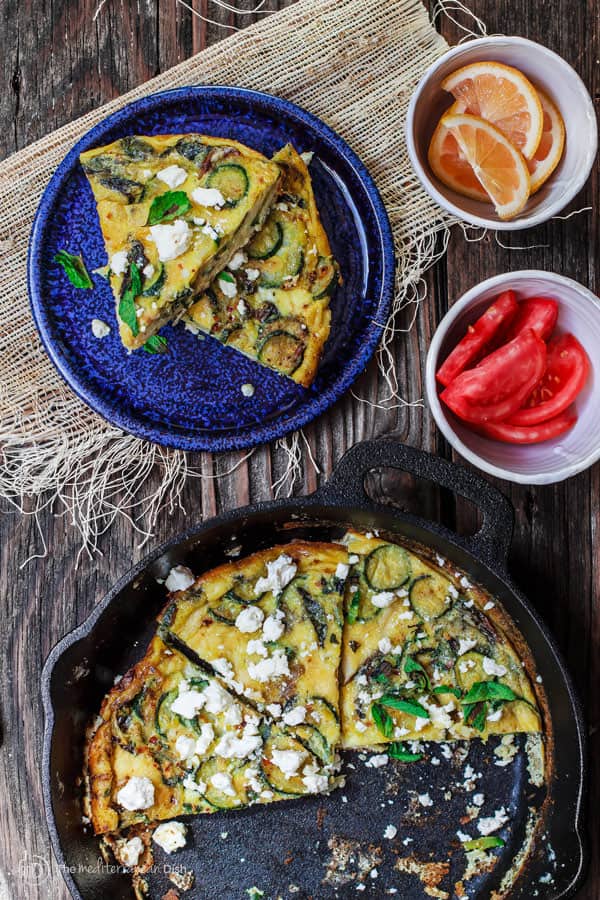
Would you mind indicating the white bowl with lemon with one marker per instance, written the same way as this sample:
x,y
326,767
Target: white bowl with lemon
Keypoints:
x,y
502,132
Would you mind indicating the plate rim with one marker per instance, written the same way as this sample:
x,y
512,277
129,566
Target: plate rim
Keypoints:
x,y
254,434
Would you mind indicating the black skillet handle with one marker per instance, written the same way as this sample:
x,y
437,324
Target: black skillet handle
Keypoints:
x,y
347,486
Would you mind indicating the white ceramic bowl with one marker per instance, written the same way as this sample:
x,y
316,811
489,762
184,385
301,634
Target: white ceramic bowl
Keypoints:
x,y
546,70
550,461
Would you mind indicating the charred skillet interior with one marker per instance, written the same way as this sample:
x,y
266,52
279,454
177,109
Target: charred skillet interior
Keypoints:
x,y
310,845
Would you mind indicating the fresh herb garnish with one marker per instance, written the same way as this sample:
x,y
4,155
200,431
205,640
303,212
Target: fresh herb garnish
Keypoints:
x,y
156,344
168,206
74,268
414,667
127,309
397,751
448,689
408,706
484,843
489,690
353,607
225,276
254,893
382,719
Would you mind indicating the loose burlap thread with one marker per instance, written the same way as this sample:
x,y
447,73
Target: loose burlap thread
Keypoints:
x,y
355,64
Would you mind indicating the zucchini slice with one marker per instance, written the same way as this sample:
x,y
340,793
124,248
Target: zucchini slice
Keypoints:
x,y
164,716
314,741
228,608
429,597
231,179
387,568
217,798
267,241
277,780
282,351
469,670
288,261
156,283
292,601
326,277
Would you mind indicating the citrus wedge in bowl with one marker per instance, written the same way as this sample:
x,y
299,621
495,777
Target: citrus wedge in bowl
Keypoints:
x,y
550,150
464,141
503,96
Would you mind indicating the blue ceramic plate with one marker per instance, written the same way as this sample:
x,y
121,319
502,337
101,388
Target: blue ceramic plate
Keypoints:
x,y
190,398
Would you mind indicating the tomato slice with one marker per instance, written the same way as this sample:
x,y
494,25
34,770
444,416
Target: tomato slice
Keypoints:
x,y
529,434
538,313
471,347
567,370
500,384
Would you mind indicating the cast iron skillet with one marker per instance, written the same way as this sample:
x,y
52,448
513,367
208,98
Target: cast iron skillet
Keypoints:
x,y
289,848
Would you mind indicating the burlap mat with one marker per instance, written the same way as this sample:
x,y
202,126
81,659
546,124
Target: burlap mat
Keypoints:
x,y
355,64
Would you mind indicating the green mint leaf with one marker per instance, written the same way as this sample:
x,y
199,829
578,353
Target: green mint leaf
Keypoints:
x,y
381,679
412,666
74,268
156,344
353,607
408,706
168,206
382,719
397,751
448,689
484,843
127,308
489,690
475,715
254,893
225,276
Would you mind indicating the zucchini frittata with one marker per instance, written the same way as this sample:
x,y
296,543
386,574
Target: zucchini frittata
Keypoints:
x,y
272,302
173,740
263,668
173,209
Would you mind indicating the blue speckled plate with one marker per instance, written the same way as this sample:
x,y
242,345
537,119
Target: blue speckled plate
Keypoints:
x,y
191,397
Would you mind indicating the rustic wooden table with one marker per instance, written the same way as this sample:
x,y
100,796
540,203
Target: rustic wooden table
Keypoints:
x,y
57,63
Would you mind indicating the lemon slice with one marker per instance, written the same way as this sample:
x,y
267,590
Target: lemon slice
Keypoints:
x,y
551,147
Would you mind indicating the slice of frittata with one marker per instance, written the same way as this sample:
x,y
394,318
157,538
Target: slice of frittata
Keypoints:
x,y
173,209
172,740
272,301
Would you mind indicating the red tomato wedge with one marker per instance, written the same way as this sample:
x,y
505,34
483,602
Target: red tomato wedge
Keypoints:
x,y
529,434
567,369
496,388
478,336
538,313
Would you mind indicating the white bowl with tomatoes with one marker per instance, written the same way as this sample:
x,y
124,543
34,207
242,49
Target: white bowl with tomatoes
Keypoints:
x,y
511,377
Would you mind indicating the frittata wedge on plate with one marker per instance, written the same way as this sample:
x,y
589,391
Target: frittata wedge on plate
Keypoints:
x,y
173,740
173,210
423,656
272,302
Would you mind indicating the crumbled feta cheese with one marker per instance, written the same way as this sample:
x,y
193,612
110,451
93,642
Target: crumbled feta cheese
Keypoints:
x,y
257,646
222,782
361,679
377,761
307,157
489,605
385,645
383,599
478,799
223,667
495,716
406,615
185,747
463,837
425,800
228,287
170,836
231,746
130,852
466,665
216,699
172,176
210,232
237,261
208,197
390,832
295,716
252,274
118,262
493,823
179,579
252,778
137,793
314,782
280,572
242,308
288,761
191,785
342,571
148,270
353,559
171,240
188,703
276,666
274,626
207,736
248,389
466,644
249,620
490,667
465,583
453,593
360,726
100,329
374,873
274,709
